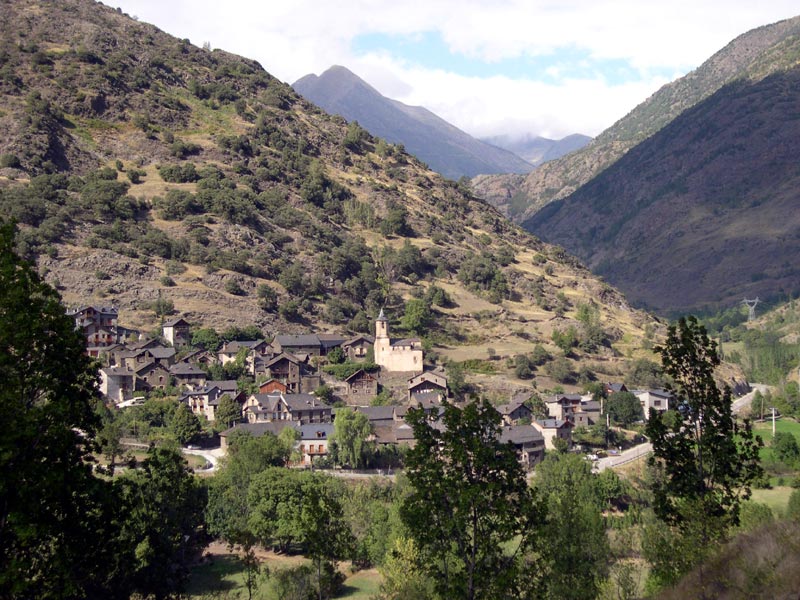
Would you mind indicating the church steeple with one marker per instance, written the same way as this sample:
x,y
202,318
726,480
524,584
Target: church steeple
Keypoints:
x,y
381,326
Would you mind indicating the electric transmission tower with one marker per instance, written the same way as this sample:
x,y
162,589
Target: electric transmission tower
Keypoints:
x,y
751,305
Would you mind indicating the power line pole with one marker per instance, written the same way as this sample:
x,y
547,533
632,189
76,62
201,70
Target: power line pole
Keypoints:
x,y
751,305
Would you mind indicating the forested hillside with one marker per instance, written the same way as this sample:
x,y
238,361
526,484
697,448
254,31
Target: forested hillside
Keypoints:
x,y
157,176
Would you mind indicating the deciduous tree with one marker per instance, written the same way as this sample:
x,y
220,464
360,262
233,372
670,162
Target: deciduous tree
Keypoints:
x,y
705,462
470,511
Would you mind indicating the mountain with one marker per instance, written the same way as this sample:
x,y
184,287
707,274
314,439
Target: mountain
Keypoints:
x,y
753,55
538,150
445,148
704,212
158,177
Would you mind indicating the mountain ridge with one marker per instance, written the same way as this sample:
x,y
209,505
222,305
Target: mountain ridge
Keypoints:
x,y
751,55
445,148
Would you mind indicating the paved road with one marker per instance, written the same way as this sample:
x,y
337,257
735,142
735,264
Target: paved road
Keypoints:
x,y
745,400
212,457
631,454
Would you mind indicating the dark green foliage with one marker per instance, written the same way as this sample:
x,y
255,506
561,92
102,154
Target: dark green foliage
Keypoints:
x,y
52,534
785,448
624,408
470,510
184,424
346,369
227,413
479,272
185,173
267,297
206,338
163,505
575,547
646,374
706,462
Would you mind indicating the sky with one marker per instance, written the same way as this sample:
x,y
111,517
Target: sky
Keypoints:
x,y
490,67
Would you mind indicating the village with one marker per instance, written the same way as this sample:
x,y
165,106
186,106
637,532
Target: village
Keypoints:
x,y
291,389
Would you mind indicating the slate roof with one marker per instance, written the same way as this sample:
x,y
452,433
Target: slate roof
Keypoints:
x,y
520,434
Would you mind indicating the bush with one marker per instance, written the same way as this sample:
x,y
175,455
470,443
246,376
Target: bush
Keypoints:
x,y
232,287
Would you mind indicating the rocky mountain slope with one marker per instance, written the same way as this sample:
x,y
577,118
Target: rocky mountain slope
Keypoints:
x,y
704,212
752,56
445,148
160,177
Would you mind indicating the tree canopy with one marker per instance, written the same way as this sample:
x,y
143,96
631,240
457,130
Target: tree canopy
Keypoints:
x,y
470,510
705,461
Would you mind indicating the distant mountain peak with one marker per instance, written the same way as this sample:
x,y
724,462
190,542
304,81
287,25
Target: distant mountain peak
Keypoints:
x,y
441,145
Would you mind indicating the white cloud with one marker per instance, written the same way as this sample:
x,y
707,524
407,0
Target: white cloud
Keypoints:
x,y
294,38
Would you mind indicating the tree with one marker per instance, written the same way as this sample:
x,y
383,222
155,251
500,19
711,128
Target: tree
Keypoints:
x,y
470,510
704,464
574,545
624,408
417,317
350,431
403,578
207,338
228,412
56,526
785,448
163,505
184,424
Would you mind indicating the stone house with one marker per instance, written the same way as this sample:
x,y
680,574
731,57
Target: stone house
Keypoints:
x,y
151,376
528,442
303,408
554,428
117,383
361,385
426,383
188,375
514,411
357,348
177,332
659,400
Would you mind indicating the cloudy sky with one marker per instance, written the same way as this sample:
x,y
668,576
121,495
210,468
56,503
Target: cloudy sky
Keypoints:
x,y
516,67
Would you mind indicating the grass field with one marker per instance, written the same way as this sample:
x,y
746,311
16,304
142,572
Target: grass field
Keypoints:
x,y
776,498
222,576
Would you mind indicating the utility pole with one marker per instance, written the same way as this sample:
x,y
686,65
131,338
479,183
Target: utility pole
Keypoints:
x,y
773,420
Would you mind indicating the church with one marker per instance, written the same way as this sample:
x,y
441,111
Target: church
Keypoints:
x,y
400,355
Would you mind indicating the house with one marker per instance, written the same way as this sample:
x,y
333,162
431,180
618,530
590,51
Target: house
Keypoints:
x,y
614,388
562,406
329,341
302,408
361,385
117,383
587,415
427,382
378,415
659,400
99,326
553,428
398,433
297,344
271,386
152,376
251,349
313,441
188,375
177,332
357,349
514,411
204,401
287,369
200,357
402,355
136,357
527,441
